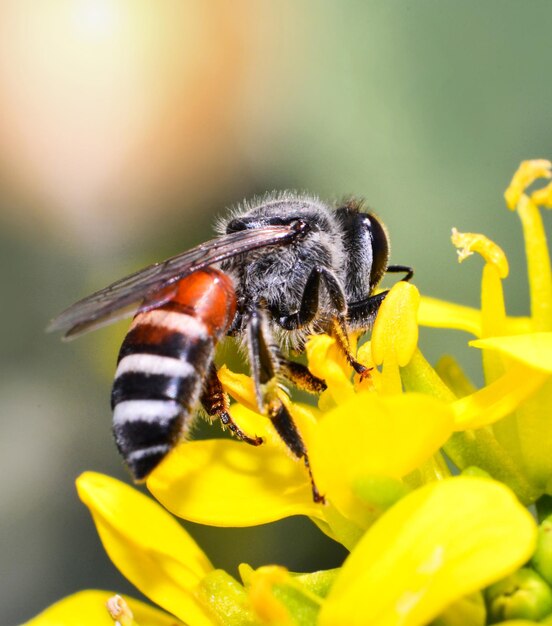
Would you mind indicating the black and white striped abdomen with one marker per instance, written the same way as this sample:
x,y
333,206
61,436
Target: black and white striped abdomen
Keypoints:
x,y
158,382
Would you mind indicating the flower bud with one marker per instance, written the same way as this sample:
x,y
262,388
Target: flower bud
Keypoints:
x,y
468,611
542,559
522,595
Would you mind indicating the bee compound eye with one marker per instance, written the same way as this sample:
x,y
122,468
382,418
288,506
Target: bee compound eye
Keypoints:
x,y
301,227
235,225
367,221
380,249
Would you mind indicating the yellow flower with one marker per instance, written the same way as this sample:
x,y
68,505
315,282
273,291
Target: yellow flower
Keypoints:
x,y
354,439
438,544
434,546
157,555
363,433
90,608
279,598
370,442
147,545
517,355
423,544
395,334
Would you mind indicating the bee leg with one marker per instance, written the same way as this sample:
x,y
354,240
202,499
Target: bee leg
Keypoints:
x,y
340,333
310,300
361,314
310,304
301,377
285,427
215,402
266,367
264,355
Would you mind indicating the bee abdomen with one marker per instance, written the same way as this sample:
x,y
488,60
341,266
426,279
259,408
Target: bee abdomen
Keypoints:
x,y
157,385
163,363
145,431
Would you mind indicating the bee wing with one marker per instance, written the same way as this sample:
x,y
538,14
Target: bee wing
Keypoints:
x,y
123,297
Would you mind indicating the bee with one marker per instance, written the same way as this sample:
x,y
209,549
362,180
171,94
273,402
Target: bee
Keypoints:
x,y
282,268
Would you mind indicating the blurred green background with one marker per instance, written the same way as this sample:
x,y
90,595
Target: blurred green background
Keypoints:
x,y
127,126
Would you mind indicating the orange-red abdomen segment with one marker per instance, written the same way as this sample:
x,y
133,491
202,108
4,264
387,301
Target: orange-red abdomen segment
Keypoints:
x,y
210,296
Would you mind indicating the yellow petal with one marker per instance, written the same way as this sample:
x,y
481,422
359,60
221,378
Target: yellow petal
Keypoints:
x,y
253,424
396,330
492,302
543,197
441,314
436,545
327,361
526,432
239,386
372,382
304,417
534,436
395,334
282,599
533,349
437,313
453,376
342,529
268,608
518,325
527,173
468,243
373,435
324,527
493,319
539,269
88,608
228,483
497,400
147,545
246,414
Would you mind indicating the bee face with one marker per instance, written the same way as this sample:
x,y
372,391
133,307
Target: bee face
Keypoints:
x,y
350,244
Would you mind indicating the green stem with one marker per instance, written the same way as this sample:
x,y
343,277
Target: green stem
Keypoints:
x,y
481,449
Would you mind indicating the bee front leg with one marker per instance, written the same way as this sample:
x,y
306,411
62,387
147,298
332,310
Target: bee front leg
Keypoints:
x,y
266,360
362,314
215,402
309,310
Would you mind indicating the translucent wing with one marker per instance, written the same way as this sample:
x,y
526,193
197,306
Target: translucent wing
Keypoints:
x,y
123,297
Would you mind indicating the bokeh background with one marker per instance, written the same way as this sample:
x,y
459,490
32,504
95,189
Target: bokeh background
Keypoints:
x,y
127,125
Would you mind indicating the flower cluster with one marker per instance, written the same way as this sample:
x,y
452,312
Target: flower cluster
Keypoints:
x,y
426,479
